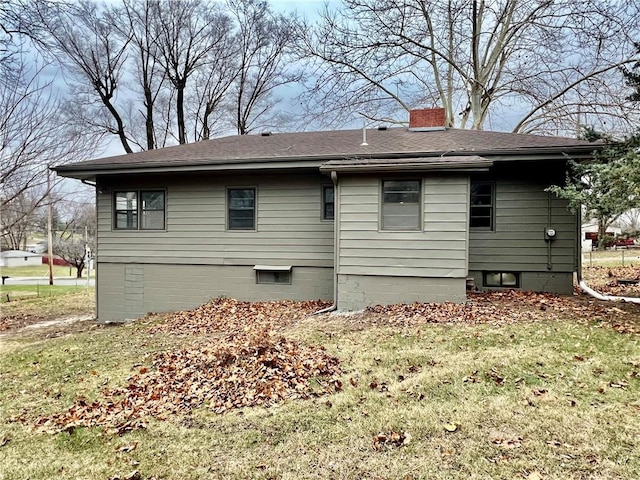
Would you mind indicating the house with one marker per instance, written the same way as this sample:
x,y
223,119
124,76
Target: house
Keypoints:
x,y
589,233
360,217
19,258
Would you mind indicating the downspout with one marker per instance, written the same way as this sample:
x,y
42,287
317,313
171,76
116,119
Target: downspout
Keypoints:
x,y
583,285
579,244
549,263
610,298
336,219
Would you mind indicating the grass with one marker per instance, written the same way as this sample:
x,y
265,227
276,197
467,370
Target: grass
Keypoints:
x,y
611,258
533,400
13,293
32,303
43,271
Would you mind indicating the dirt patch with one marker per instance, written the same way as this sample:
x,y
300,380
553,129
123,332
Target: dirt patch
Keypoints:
x,y
49,327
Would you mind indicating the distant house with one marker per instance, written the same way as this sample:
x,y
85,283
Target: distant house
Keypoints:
x,y
368,217
589,233
19,258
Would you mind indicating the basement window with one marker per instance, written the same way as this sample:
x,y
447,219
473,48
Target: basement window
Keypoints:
x,y
501,279
273,274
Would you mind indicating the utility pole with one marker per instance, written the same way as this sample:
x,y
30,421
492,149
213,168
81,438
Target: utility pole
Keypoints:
x,y
49,227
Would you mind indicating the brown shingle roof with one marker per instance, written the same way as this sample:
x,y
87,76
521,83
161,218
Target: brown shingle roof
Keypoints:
x,y
331,145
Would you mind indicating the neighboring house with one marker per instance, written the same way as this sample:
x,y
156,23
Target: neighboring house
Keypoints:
x,y
19,258
360,217
589,231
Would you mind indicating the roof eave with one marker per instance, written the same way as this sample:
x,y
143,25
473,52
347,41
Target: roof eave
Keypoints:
x,y
90,172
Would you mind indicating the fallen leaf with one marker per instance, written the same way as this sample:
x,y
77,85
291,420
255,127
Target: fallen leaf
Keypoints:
x,y
127,448
450,427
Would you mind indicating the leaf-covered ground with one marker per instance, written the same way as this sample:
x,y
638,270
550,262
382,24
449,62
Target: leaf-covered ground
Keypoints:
x,y
245,363
508,385
616,280
508,307
240,358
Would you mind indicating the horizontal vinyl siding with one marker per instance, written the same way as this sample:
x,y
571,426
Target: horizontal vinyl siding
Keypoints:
x,y
438,249
518,243
289,228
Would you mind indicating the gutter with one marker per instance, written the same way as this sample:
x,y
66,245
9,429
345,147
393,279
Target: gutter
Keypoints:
x,y
609,298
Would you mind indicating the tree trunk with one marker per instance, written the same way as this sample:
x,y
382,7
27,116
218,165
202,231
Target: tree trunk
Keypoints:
x,y
602,232
182,137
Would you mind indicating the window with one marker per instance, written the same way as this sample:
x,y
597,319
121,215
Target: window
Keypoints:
x,y
273,274
481,216
274,277
501,279
401,205
241,208
147,205
327,203
152,210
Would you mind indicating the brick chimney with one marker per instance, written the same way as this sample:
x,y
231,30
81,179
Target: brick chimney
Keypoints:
x,y
427,118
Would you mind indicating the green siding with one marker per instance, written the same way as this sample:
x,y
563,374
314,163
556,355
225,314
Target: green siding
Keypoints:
x,y
196,258
522,212
438,249
290,230
378,266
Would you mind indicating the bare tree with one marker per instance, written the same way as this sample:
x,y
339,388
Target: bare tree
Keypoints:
x,y
18,216
77,233
264,40
556,61
631,220
188,34
85,42
134,20
35,132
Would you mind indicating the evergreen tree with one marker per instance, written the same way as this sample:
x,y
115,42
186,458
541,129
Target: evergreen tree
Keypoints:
x,y
608,186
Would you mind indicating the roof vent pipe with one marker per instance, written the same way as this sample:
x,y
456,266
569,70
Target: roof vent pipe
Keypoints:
x,y
364,136
265,134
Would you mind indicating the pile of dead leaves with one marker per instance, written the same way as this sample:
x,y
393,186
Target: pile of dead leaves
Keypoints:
x,y
233,316
248,364
507,307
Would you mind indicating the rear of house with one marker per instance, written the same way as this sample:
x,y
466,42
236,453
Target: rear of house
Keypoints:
x,y
406,215
170,242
